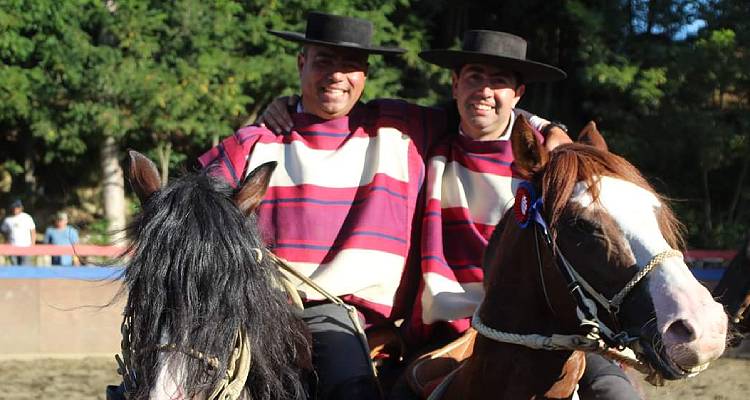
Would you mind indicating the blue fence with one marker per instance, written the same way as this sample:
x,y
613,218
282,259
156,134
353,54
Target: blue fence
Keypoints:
x,y
96,273
88,273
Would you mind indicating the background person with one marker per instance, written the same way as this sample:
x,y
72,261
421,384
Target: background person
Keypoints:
x,y
62,234
19,230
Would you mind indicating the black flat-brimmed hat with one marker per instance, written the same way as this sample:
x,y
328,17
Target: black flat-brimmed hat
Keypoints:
x,y
337,31
494,48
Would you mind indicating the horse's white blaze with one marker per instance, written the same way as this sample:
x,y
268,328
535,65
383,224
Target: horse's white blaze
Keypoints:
x,y
633,209
170,379
677,295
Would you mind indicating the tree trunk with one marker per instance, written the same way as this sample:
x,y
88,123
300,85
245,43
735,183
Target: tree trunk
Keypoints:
x,y
29,167
164,150
631,18
733,213
113,190
706,204
650,15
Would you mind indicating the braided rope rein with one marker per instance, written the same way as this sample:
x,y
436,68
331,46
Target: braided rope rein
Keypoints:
x,y
556,342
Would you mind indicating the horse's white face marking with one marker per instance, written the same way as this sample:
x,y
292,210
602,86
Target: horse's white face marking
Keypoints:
x,y
676,294
633,209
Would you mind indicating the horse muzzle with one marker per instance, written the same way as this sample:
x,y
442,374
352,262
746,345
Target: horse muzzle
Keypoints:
x,y
673,362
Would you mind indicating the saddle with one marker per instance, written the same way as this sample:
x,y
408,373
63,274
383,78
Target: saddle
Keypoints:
x,y
427,372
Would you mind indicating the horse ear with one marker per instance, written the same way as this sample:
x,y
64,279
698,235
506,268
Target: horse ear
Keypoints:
x,y
528,152
254,187
143,175
590,135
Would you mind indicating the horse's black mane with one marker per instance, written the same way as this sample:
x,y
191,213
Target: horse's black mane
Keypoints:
x,y
193,276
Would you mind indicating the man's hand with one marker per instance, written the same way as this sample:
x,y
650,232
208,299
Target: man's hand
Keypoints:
x,y
276,116
556,137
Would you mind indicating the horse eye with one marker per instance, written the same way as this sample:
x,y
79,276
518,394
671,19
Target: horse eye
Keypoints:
x,y
580,224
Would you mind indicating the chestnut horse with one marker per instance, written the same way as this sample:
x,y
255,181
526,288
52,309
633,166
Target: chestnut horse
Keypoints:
x,y
205,317
589,264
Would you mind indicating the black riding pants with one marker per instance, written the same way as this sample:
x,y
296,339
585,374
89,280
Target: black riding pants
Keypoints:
x,y
605,380
341,362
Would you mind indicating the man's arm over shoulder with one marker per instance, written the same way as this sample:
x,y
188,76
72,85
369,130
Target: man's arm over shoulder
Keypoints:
x,y
423,124
553,133
228,159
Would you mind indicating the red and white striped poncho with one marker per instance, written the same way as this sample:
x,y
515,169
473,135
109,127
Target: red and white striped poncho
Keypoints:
x,y
470,185
342,199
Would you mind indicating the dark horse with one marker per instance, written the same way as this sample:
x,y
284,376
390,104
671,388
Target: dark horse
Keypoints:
x,y
733,290
204,309
589,264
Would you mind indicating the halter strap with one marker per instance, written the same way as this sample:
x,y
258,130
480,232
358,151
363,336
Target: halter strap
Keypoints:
x,y
658,259
613,305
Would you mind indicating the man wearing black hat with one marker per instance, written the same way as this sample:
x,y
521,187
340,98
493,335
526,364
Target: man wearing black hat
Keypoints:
x,y
19,230
342,199
470,181
471,184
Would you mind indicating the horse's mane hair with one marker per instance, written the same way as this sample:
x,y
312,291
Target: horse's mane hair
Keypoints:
x,y
193,279
573,163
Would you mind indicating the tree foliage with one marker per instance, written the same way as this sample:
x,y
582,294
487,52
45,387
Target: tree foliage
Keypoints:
x,y
666,80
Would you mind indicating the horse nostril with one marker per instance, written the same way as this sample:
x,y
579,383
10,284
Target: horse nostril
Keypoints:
x,y
682,331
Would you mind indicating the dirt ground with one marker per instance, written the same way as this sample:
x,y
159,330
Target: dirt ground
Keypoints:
x,y
84,379
726,379
69,379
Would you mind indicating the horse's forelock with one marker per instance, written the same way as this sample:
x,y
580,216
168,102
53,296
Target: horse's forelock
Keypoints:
x,y
193,275
573,163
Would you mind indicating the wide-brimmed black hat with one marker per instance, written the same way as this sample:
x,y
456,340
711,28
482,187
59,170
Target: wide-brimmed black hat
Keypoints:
x,y
494,48
337,31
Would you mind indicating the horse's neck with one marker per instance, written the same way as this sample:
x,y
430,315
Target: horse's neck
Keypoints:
x,y
514,303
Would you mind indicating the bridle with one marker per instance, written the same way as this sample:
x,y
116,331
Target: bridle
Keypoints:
x,y
599,336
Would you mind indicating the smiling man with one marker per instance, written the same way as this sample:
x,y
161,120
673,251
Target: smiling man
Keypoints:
x,y
470,185
342,199
470,180
486,96
331,79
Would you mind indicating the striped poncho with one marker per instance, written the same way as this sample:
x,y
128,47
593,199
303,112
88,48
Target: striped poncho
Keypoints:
x,y
342,199
470,185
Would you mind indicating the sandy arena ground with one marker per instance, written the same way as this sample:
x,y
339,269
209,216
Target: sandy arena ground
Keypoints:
x,y
84,379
